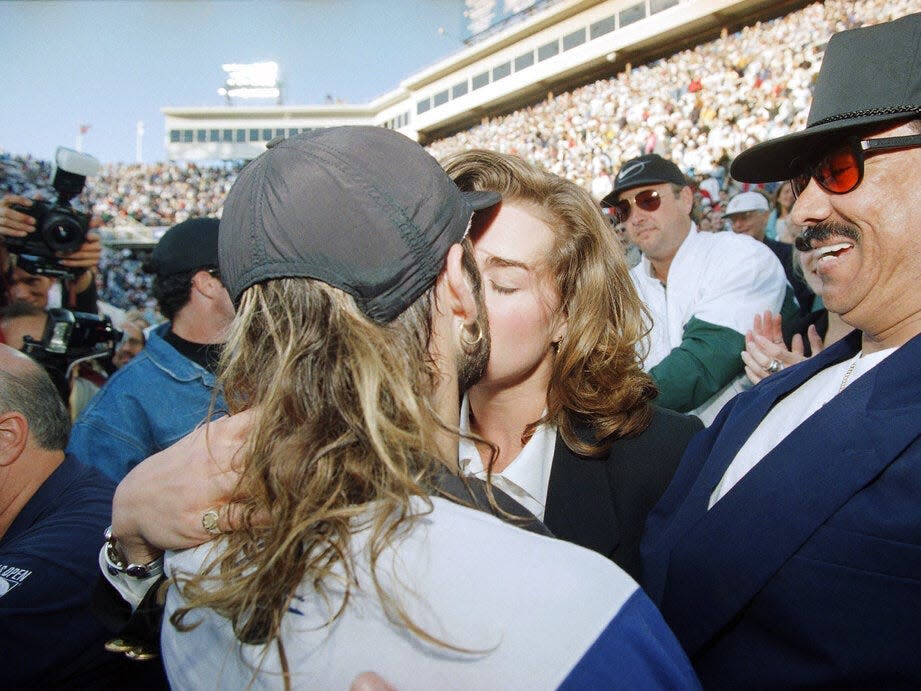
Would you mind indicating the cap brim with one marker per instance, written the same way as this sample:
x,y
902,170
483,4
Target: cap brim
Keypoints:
x,y
781,158
481,200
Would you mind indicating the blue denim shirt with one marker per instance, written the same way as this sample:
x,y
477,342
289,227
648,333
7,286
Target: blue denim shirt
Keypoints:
x,y
149,404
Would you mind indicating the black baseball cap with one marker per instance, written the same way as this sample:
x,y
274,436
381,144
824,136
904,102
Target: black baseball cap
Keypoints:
x,y
364,209
649,169
869,77
187,246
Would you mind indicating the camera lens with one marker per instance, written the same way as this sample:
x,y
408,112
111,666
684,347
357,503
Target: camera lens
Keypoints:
x,y
63,232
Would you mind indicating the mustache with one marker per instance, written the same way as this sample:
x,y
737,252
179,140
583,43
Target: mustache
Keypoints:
x,y
823,231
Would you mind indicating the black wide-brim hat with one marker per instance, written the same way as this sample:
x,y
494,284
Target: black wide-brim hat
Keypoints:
x,y
870,76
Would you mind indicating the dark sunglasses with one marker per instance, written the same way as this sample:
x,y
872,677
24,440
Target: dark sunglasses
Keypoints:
x,y
647,200
841,169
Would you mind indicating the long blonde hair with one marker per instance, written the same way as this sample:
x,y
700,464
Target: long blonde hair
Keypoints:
x,y
597,377
344,428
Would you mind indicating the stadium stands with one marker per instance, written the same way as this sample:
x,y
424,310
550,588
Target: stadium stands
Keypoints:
x,y
698,107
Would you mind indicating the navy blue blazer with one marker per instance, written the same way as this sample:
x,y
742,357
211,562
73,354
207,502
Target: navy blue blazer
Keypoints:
x,y
807,572
602,502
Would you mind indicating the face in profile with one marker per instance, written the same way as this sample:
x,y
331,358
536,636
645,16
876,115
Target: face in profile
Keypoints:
x,y
521,297
30,288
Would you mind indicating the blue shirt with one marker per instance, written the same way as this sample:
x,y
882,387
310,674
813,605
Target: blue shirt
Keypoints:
x,y
149,404
48,569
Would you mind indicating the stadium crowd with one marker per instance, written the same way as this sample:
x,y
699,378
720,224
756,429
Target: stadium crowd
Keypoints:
x,y
650,381
698,108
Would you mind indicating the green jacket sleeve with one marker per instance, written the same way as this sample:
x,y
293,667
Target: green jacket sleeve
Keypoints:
x,y
707,359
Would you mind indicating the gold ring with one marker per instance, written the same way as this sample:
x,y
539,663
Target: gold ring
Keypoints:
x,y
209,521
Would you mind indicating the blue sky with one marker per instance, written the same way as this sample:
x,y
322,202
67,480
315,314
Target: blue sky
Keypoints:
x,y
111,63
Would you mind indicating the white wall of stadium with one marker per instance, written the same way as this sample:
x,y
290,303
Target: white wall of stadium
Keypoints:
x,y
567,44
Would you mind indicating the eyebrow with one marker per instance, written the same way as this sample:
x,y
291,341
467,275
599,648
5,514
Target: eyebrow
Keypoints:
x,y
493,260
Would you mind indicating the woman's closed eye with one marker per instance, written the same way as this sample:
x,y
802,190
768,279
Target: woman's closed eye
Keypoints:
x,y
503,289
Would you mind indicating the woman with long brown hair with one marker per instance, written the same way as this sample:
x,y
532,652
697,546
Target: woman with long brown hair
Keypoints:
x,y
567,410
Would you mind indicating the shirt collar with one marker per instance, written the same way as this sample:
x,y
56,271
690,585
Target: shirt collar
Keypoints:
x,y
527,477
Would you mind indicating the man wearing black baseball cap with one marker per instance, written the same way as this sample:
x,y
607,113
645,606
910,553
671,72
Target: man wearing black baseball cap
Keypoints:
x,y
702,289
166,390
787,552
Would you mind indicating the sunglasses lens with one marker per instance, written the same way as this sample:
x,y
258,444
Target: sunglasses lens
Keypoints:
x,y
648,200
839,171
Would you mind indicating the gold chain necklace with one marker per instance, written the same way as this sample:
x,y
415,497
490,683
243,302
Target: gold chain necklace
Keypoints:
x,y
850,371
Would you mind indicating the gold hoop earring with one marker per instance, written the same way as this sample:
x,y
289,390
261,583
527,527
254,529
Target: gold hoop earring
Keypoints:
x,y
471,334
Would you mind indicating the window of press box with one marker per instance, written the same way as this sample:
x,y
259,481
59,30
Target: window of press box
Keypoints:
x,y
548,50
501,71
524,61
576,38
632,14
602,27
660,5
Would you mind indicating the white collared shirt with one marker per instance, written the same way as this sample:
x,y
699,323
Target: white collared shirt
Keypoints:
x,y
526,478
720,278
790,412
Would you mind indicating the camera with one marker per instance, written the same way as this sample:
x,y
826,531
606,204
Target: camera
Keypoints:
x,y
59,229
69,339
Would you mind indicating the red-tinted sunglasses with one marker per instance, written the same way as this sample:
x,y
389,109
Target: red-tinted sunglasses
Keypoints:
x,y
841,169
647,200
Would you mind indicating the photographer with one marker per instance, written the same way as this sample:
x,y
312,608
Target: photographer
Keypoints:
x,y
78,293
58,339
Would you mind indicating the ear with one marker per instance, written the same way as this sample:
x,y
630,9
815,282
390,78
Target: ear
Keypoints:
x,y
14,435
460,300
562,327
206,284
